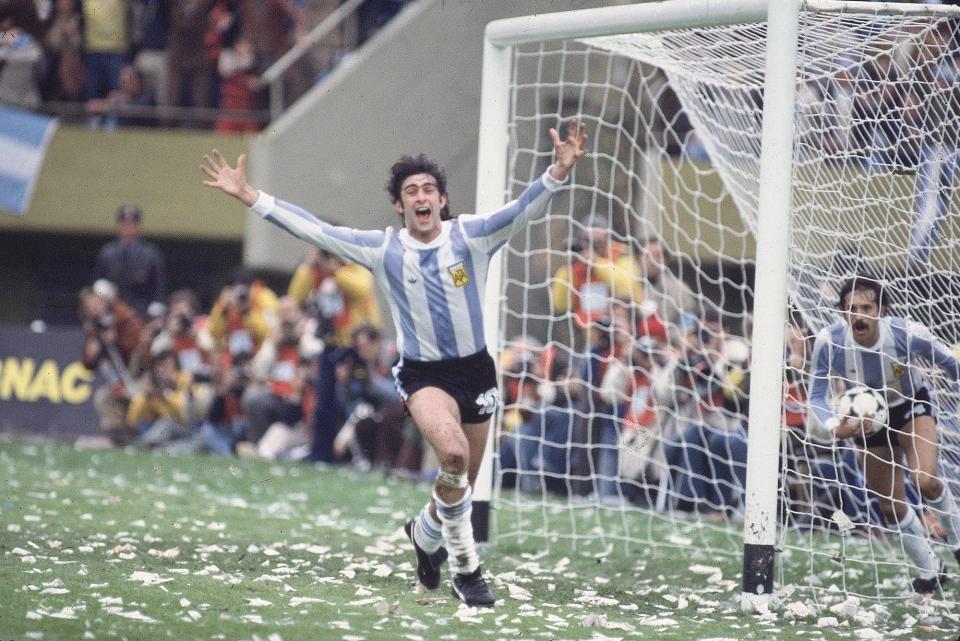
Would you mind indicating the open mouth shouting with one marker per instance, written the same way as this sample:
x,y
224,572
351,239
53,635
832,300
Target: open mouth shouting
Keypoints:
x,y
423,214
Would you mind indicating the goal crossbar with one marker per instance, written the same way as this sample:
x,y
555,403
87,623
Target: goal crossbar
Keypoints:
x,y
674,14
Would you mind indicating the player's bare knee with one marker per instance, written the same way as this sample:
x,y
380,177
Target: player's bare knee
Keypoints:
x,y
454,462
930,486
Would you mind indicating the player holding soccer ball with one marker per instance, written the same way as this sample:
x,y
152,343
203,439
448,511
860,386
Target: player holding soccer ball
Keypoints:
x,y
433,273
879,352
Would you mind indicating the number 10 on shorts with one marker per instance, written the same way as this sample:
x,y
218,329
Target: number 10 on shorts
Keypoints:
x,y
489,401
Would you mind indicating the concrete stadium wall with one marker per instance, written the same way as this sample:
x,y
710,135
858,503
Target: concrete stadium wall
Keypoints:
x,y
88,173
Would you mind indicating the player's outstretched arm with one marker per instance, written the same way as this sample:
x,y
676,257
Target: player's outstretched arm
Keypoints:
x,y
568,152
229,180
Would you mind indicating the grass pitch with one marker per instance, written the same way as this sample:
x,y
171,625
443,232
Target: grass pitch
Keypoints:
x,y
116,545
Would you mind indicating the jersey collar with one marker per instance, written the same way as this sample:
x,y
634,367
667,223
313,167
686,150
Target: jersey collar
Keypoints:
x,y
413,243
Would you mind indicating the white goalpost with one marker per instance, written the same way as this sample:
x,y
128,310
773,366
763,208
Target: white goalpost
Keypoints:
x,y
647,393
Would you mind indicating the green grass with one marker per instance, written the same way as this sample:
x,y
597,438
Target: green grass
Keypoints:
x,y
114,545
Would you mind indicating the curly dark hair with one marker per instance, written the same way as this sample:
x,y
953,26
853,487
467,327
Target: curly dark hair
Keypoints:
x,y
411,165
866,283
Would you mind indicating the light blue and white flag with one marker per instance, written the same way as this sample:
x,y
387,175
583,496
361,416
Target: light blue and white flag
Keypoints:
x,y
23,144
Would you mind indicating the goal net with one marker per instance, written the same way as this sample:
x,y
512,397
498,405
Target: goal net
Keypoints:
x,y
627,311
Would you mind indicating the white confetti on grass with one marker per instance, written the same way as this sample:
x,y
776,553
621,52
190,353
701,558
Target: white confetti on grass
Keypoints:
x,y
257,602
41,612
594,599
148,578
697,568
135,615
683,541
658,621
518,593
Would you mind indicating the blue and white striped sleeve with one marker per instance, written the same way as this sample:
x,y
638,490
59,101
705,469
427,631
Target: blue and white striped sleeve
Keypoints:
x,y
922,343
820,381
489,232
362,247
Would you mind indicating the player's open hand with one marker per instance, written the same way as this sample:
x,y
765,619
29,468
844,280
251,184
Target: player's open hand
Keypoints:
x,y
854,426
229,180
568,152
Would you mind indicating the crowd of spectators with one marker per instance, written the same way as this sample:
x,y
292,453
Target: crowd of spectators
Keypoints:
x,y
112,56
647,405
303,375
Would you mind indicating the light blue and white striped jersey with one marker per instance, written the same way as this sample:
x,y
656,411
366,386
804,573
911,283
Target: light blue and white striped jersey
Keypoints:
x,y
889,366
435,289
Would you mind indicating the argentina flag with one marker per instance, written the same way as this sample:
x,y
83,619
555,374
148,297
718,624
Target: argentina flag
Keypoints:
x,y
23,143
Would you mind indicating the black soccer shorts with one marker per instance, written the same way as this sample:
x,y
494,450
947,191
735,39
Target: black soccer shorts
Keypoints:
x,y
898,416
471,381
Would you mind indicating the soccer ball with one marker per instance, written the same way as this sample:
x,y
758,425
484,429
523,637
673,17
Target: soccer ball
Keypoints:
x,y
861,402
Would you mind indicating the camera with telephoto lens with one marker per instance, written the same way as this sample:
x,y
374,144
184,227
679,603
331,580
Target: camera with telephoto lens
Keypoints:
x,y
242,292
288,331
184,323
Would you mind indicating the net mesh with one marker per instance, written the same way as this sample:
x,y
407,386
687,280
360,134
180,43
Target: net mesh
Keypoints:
x,y
625,357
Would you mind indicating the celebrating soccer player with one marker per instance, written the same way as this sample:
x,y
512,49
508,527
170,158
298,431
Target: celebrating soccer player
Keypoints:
x,y
433,272
881,352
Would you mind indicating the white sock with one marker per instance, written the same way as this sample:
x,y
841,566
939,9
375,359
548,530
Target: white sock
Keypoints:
x,y
426,531
458,533
917,547
947,513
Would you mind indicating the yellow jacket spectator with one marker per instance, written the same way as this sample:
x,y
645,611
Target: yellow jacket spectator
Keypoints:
x,y
599,272
338,294
164,394
106,26
243,315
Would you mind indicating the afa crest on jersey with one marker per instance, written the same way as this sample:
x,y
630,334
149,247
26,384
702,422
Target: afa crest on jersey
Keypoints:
x,y
459,273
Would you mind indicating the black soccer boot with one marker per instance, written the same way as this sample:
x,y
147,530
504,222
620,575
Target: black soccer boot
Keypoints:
x,y
473,590
428,565
929,586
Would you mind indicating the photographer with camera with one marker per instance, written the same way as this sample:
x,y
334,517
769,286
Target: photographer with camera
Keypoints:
x,y
273,401
164,409
242,315
112,333
599,275
184,332
374,429
339,296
